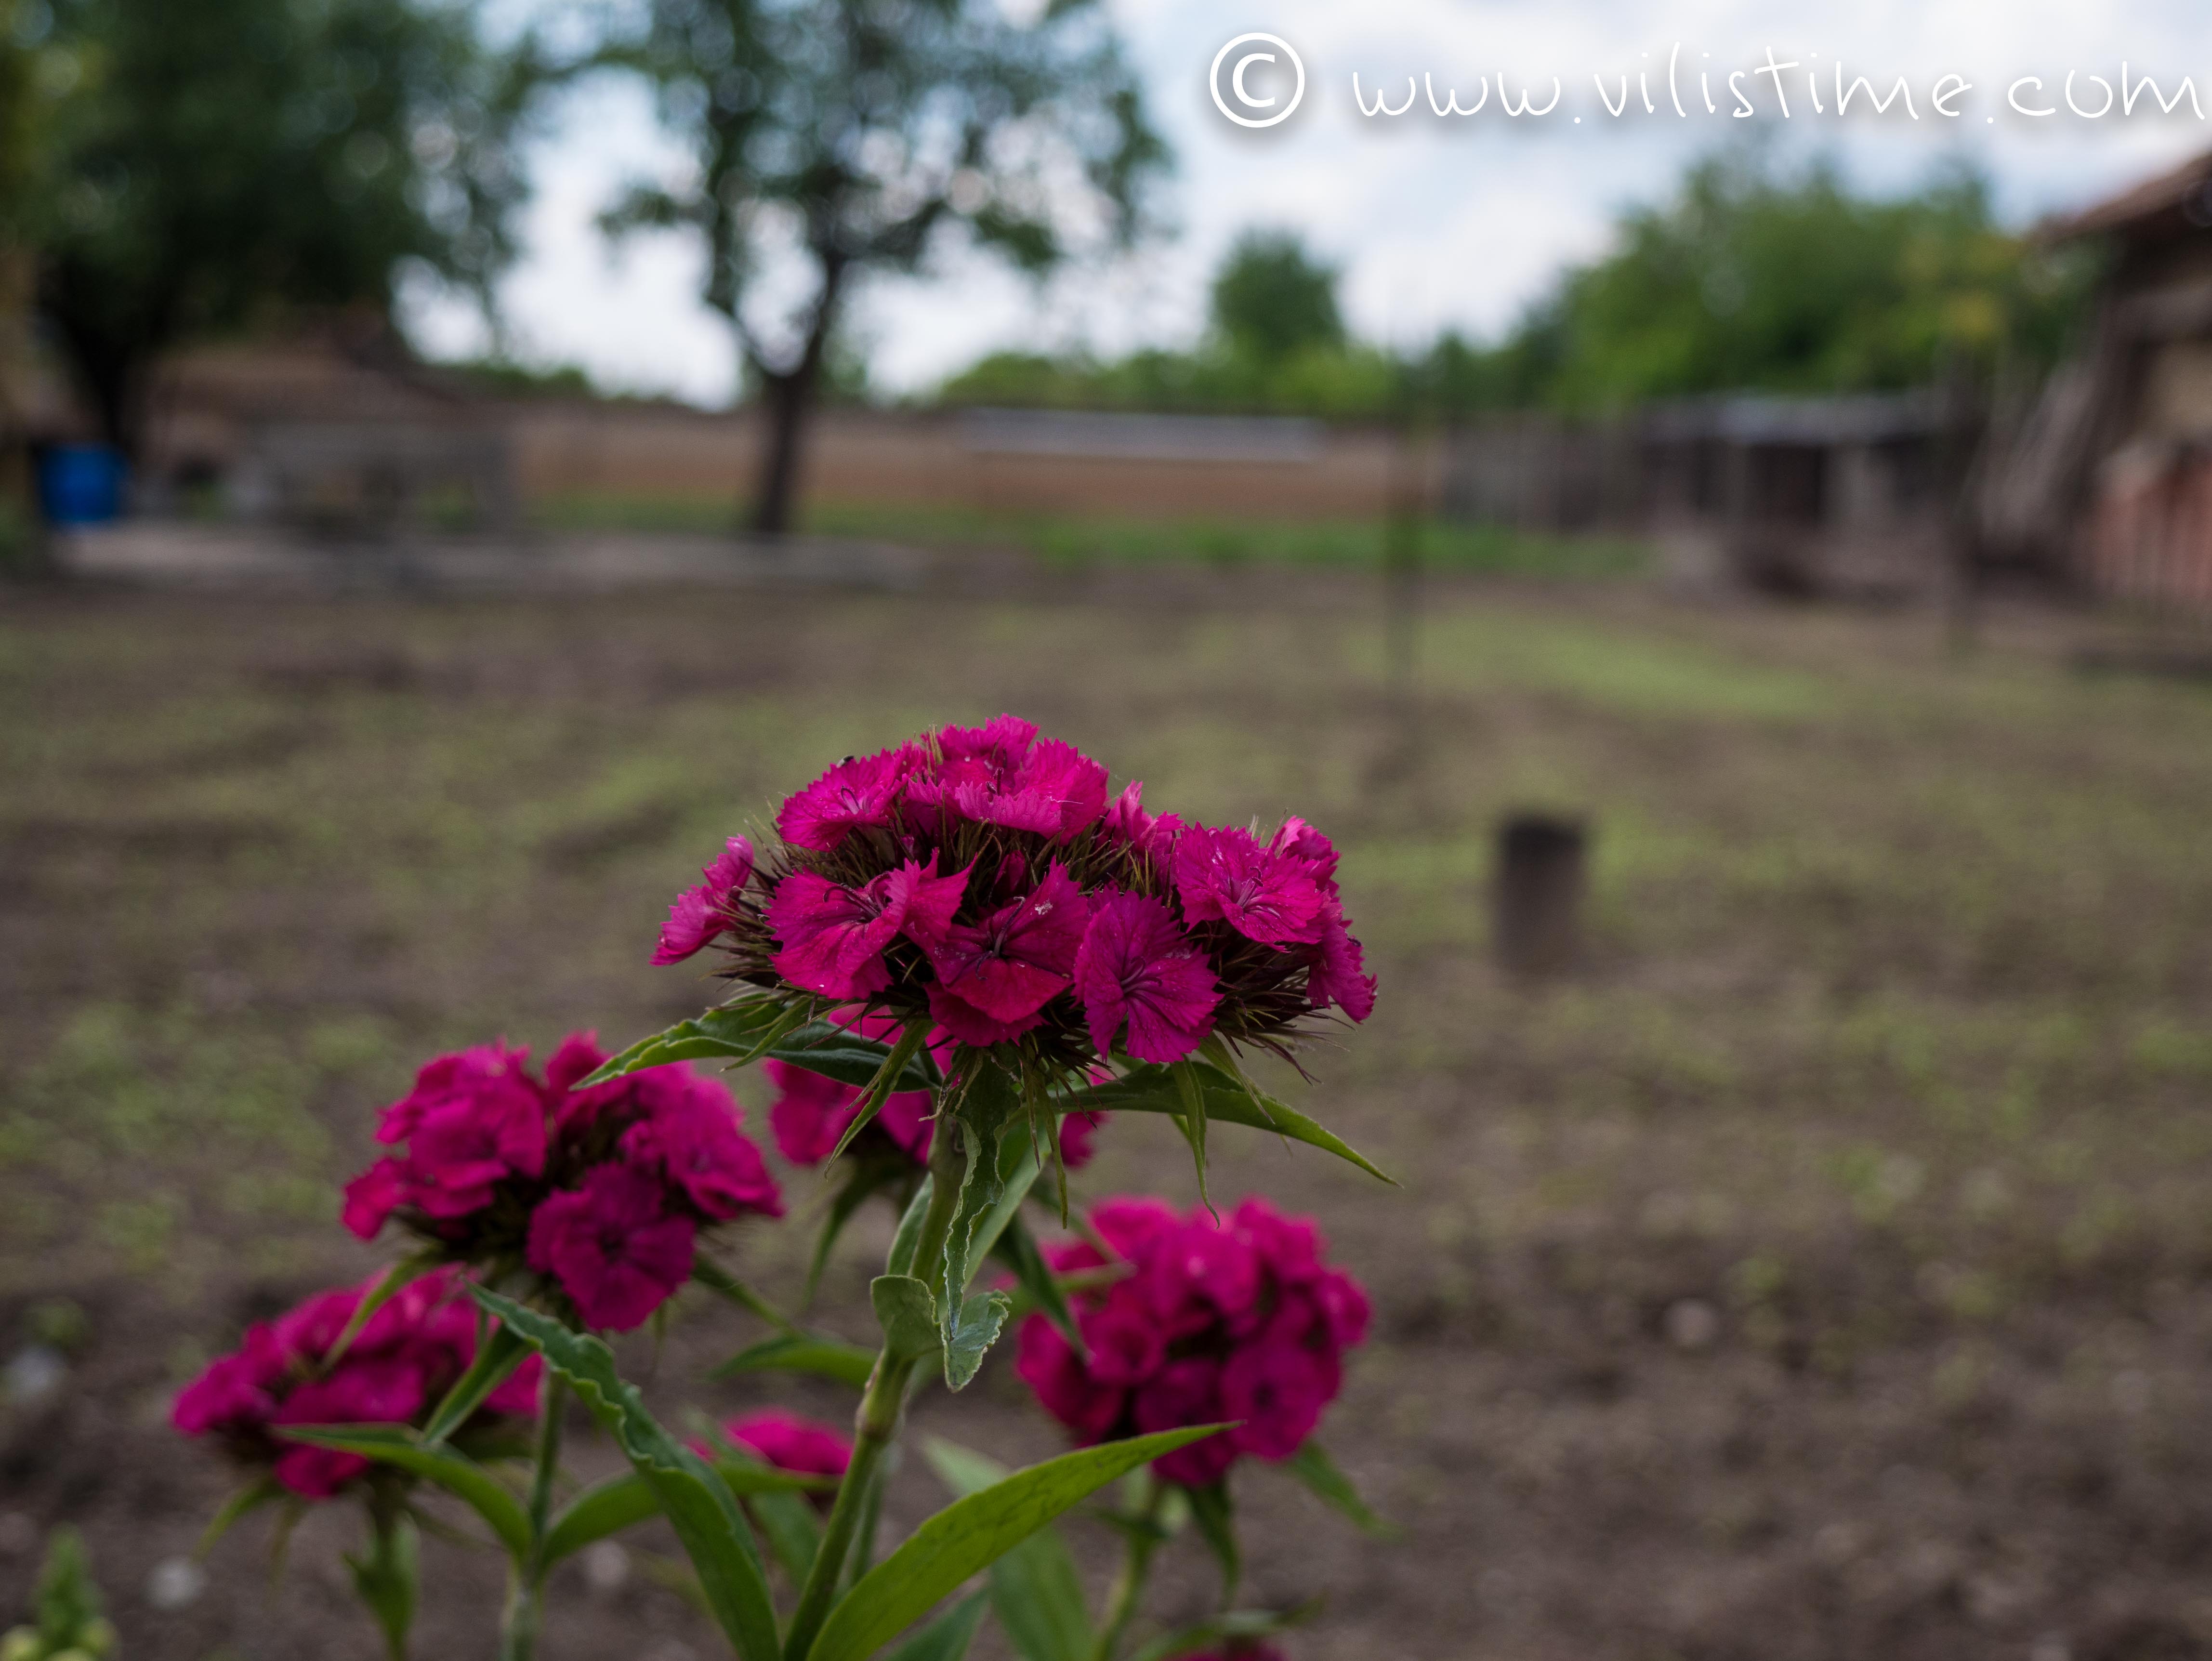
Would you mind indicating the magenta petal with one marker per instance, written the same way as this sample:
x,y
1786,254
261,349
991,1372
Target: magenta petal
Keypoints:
x,y
1136,970
834,937
1227,876
859,794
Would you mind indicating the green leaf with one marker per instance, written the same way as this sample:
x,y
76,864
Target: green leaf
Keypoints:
x,y
1190,1092
907,1313
972,1533
947,1638
1017,1248
695,1500
720,1281
1213,1633
868,1176
1311,1465
1150,1089
739,1034
988,1107
794,1531
804,1352
386,1577
1034,1588
838,1052
396,1279
247,1501
982,1319
462,1477
746,1477
896,1063
497,1356
1215,1518
1018,1171
906,1241
606,1507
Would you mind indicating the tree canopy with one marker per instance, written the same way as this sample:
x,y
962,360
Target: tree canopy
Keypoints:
x,y
204,165
1750,276
833,138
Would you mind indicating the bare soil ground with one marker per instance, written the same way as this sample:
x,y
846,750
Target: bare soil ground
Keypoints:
x,y
1824,1270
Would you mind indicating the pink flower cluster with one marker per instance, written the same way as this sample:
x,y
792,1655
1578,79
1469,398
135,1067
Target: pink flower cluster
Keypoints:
x,y
979,876
601,1191
1216,1319
399,1366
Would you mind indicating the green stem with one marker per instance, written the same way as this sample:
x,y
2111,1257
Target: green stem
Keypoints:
x,y
876,1424
1129,1595
525,1591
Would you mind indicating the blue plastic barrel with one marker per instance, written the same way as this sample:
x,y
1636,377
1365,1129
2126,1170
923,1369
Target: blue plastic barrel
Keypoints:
x,y
81,484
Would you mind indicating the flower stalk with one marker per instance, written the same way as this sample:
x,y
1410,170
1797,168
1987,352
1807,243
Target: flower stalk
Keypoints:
x,y
1128,1594
875,1424
526,1601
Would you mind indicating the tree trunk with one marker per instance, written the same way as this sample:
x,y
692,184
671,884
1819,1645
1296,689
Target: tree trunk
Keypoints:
x,y
784,399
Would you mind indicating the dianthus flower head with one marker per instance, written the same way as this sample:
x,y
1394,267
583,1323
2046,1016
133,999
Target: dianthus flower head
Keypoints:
x,y
977,880
398,1366
1237,1318
593,1188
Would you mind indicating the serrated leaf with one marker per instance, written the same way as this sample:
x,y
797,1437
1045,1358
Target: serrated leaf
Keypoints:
x,y
496,1358
1215,1518
1034,1588
1311,1465
738,1035
1150,1089
460,1476
908,1314
696,1499
1212,1634
982,1319
987,1108
971,1534
1018,1171
803,1352
1017,1248
606,1507
947,1638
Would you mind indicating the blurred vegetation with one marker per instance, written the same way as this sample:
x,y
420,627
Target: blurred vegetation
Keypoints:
x,y
220,165
1751,276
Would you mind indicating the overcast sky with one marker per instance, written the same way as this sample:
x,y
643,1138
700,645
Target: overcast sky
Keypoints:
x,y
1434,221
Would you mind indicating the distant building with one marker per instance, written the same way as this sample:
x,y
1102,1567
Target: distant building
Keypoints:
x,y
1848,493
2108,475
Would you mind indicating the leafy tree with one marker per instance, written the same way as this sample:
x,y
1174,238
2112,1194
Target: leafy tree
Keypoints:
x,y
837,137
1273,300
211,164
1755,277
